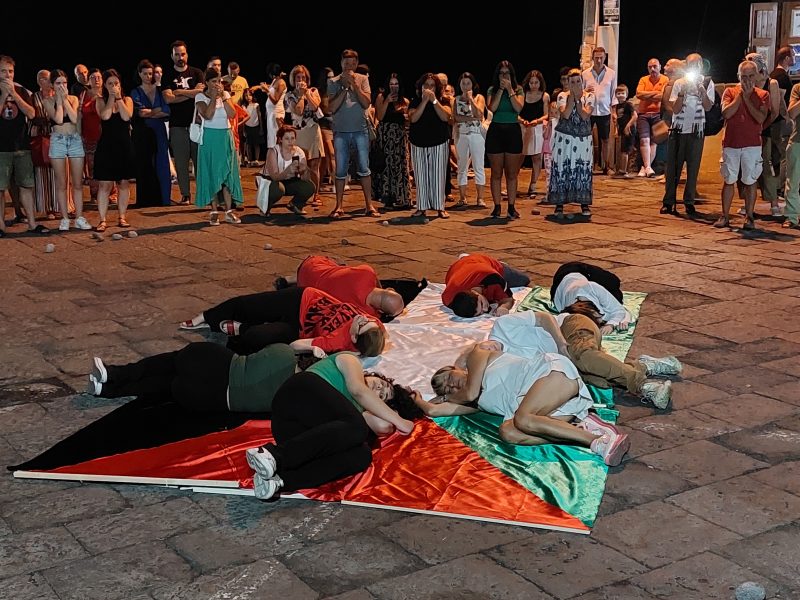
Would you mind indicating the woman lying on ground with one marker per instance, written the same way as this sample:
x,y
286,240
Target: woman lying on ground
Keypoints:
x,y
538,398
323,419
577,336
303,317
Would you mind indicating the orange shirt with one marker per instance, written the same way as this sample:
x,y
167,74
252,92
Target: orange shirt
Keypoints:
x,y
327,321
646,85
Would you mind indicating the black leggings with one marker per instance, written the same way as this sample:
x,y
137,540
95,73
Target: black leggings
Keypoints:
x,y
195,377
596,274
319,434
266,318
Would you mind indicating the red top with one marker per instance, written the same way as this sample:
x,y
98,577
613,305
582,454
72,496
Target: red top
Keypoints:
x,y
348,284
469,272
742,130
327,321
90,119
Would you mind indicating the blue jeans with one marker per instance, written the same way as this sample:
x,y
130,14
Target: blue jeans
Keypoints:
x,y
341,145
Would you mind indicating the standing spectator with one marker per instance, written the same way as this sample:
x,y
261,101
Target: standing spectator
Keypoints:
x,y
274,107
303,101
430,144
504,137
253,133
391,185
468,112
782,126
181,84
601,81
217,162
349,97
327,164
769,178
689,99
793,163
624,117
15,149
114,157
45,181
533,117
571,169
66,149
215,62
81,80
547,147
90,128
745,108
151,111
238,83
649,92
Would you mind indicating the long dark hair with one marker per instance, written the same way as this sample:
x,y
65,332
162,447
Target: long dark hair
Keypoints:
x,y
530,75
476,89
111,73
438,85
511,73
400,90
402,401
587,309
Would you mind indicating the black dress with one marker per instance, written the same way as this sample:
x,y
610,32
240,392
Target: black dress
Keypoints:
x,y
114,158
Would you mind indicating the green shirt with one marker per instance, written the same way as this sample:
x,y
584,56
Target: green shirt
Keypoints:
x,y
505,112
327,370
254,379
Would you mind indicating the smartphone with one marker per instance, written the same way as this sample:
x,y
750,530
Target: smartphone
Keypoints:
x,y
296,159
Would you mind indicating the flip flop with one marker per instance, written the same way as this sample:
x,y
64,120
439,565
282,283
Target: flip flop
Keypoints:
x,y
336,214
371,212
40,229
190,326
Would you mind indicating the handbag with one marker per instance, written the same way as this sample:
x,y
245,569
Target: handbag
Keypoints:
x,y
659,132
196,129
262,193
40,150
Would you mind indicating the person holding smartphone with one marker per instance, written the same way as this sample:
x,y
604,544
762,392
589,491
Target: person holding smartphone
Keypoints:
x,y
287,170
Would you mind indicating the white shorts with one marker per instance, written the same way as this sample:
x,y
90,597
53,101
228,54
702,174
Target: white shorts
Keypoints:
x,y
746,161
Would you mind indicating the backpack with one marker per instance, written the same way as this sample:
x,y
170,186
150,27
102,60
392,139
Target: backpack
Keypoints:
x,y
714,120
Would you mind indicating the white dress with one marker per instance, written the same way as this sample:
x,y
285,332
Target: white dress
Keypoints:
x,y
508,378
273,112
520,335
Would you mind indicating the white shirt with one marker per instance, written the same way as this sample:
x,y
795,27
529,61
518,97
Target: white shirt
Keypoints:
x,y
602,86
690,102
220,118
575,286
252,114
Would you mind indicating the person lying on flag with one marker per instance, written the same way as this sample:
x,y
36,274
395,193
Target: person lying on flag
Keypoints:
x,y
306,318
577,336
357,285
538,398
324,420
476,281
575,287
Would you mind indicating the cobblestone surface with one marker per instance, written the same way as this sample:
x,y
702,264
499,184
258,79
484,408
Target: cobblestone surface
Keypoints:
x,y
707,498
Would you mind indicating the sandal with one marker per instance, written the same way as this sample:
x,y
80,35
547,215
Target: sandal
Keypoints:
x,y
461,202
418,213
40,229
122,222
371,212
101,226
443,214
229,328
336,214
190,325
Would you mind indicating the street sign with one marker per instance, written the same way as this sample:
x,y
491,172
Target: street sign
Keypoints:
x,y
610,11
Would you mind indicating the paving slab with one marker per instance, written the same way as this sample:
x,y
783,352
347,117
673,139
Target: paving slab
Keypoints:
x,y
772,554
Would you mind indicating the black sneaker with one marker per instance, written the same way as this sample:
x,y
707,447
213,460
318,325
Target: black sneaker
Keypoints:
x,y
512,212
496,212
281,283
690,209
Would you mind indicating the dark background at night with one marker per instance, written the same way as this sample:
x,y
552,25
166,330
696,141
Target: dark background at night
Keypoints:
x,y
541,35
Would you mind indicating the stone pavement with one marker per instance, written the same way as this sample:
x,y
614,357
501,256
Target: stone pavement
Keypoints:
x,y
708,498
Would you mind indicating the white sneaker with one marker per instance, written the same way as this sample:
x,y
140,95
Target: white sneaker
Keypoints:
x,y
741,211
668,365
82,223
94,387
777,211
261,461
266,488
649,172
642,172
612,447
99,370
213,218
594,424
63,225
658,392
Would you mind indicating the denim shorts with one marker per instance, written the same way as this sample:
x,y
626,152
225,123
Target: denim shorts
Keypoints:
x,y
66,145
343,144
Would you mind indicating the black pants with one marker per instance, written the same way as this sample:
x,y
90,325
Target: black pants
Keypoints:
x,y
682,148
266,318
195,377
319,434
596,274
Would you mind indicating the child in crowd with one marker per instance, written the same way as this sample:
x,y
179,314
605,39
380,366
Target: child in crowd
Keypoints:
x,y
624,116
253,134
